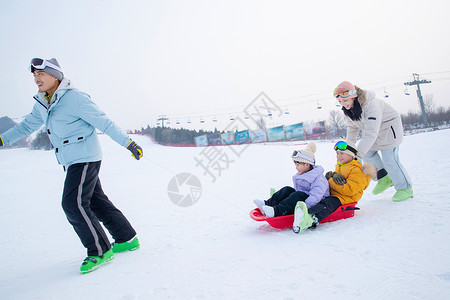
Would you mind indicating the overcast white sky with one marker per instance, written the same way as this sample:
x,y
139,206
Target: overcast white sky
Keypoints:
x,y
186,59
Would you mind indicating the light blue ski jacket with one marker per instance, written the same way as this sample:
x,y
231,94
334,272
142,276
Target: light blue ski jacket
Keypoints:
x,y
70,119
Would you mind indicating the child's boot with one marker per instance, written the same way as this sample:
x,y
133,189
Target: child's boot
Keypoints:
x,y
302,219
259,203
268,211
382,185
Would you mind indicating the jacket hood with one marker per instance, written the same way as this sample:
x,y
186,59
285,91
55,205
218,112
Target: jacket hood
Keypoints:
x,y
64,85
316,171
369,170
364,95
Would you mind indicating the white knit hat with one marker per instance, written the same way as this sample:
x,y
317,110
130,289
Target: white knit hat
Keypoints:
x,y
306,155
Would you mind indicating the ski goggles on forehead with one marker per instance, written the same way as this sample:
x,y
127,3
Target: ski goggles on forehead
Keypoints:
x,y
343,92
301,155
40,64
344,146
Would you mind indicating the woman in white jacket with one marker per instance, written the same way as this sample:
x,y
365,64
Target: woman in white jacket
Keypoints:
x,y
381,132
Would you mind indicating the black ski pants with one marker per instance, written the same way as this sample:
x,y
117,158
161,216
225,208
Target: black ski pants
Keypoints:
x,y
85,206
325,207
285,200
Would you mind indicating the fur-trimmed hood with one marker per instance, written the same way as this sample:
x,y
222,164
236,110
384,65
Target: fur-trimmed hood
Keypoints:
x,y
364,96
369,170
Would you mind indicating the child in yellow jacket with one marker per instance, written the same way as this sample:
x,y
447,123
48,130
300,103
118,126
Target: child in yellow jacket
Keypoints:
x,y
347,184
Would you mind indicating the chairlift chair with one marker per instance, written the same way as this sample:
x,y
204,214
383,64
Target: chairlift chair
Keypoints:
x,y
318,105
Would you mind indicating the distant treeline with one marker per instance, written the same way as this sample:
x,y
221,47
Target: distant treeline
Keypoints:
x,y
174,136
437,117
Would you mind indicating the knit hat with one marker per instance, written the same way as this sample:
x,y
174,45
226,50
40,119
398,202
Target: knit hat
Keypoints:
x,y
49,66
349,86
350,148
306,155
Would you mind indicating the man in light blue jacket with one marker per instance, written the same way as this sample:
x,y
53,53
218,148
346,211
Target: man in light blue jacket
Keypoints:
x,y
71,119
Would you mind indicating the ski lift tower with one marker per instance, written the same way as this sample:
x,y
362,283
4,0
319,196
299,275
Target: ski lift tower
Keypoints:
x,y
418,82
162,118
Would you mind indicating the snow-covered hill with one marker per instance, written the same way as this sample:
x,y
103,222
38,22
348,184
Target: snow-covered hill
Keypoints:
x,y
212,249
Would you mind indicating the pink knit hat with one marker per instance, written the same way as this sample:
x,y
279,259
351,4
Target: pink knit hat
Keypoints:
x,y
348,86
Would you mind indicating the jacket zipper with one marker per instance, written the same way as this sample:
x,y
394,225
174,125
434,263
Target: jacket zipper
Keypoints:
x,y
35,98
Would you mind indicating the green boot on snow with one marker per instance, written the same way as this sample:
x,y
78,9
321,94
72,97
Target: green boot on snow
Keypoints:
x,y
401,195
91,263
131,245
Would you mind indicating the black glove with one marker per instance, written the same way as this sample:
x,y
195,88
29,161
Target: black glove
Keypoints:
x,y
1,142
339,179
136,150
329,174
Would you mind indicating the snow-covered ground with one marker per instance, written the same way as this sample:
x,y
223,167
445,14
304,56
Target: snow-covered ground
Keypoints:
x,y
212,249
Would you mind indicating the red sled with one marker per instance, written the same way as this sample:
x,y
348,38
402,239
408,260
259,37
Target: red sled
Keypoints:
x,y
342,212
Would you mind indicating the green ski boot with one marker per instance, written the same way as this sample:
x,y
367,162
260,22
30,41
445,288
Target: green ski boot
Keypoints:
x,y
131,245
91,263
401,195
302,219
382,185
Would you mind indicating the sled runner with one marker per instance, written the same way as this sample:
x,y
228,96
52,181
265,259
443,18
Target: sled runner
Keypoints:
x,y
282,222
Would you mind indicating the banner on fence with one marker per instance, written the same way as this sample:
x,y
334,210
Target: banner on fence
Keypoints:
x,y
242,137
201,141
214,139
258,136
279,133
227,138
276,134
294,131
316,129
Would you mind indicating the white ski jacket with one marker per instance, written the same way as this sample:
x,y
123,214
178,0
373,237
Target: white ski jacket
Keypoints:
x,y
380,124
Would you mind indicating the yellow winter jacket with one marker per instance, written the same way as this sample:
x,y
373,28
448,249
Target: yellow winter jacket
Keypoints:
x,y
358,179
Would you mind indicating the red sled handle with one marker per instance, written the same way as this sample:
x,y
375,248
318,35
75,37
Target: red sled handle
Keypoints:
x,y
256,215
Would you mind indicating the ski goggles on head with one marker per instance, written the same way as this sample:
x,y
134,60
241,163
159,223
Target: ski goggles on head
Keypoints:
x,y
344,146
343,92
301,155
40,64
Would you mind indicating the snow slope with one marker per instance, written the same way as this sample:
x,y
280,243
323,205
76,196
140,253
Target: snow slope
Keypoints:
x,y
213,250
